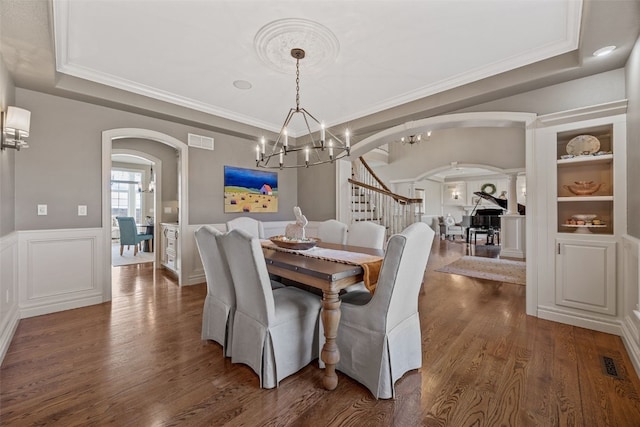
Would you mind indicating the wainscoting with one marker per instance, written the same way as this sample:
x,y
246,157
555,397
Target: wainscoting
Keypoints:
x,y
46,271
59,270
631,298
9,314
53,270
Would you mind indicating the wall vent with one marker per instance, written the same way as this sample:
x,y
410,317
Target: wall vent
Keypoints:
x,y
200,141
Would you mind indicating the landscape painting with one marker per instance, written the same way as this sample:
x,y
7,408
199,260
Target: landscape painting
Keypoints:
x,y
250,191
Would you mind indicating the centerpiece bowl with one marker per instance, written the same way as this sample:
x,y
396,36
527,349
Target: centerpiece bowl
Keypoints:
x,y
294,243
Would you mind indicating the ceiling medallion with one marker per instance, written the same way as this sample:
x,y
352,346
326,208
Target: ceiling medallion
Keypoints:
x,y
274,41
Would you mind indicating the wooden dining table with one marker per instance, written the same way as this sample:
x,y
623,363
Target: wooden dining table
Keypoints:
x,y
328,276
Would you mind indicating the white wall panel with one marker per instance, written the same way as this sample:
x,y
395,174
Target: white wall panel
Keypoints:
x,y
8,290
631,298
60,270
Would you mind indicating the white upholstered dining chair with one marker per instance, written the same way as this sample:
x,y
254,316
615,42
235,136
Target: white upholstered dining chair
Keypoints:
x,y
333,231
379,336
366,234
274,332
220,302
250,225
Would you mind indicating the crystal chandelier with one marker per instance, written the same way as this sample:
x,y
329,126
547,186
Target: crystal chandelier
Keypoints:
x,y
313,150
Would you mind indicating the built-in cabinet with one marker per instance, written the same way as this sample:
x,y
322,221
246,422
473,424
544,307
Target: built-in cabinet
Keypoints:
x,y
586,213
170,246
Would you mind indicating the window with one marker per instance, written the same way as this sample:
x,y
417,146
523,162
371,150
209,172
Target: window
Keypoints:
x,y
126,200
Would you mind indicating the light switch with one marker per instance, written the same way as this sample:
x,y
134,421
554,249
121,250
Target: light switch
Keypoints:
x,y
42,209
82,210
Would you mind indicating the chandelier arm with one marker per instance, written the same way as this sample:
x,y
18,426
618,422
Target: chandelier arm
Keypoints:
x,y
342,155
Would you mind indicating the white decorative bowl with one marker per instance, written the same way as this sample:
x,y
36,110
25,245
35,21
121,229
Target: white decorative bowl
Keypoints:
x,y
584,217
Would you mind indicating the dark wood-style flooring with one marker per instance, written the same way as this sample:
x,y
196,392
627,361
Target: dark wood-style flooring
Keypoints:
x,y
139,361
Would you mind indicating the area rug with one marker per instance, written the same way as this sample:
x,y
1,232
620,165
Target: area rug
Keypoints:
x,y
500,270
127,257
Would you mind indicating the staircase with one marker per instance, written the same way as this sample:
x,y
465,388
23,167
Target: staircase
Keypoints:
x,y
372,200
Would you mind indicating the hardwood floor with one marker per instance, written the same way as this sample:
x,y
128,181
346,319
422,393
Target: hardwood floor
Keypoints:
x,y
139,361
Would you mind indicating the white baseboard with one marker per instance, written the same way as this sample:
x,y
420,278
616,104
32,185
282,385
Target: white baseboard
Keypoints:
x,y
630,338
6,335
609,326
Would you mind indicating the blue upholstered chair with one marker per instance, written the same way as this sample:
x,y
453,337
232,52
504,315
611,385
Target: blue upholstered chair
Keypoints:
x,y
129,234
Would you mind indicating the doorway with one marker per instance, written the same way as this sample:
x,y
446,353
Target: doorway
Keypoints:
x,y
181,148
136,191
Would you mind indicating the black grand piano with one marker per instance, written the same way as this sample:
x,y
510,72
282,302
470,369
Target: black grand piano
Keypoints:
x,y
487,221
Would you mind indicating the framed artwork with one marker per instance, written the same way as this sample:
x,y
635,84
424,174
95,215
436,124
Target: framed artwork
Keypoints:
x,y
250,190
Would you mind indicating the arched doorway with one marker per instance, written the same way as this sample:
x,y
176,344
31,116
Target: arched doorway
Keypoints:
x,y
108,137
157,171
523,121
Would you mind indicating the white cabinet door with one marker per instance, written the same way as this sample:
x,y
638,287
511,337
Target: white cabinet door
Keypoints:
x,y
585,275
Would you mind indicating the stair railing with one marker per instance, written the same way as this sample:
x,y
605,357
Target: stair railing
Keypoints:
x,y
372,200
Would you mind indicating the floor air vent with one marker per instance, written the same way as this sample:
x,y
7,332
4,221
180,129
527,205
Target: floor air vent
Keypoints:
x,y
609,367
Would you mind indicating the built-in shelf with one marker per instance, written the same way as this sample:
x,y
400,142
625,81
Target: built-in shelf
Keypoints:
x,y
586,199
592,160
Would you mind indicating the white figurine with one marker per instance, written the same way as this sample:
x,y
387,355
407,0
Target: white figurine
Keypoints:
x,y
301,220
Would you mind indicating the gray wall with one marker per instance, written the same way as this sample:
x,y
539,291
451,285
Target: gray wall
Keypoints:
x,y
63,166
592,90
587,91
633,141
499,147
317,192
7,160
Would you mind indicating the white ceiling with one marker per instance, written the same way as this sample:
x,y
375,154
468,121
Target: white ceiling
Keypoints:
x,y
388,52
178,59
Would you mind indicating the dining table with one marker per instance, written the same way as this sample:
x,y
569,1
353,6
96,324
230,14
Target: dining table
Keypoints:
x,y
330,275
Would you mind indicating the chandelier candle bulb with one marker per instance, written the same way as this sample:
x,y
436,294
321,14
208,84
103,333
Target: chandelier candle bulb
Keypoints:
x,y
257,153
347,138
281,157
286,139
264,143
331,148
322,134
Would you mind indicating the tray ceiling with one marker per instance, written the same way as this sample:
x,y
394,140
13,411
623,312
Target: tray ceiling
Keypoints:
x,y
385,53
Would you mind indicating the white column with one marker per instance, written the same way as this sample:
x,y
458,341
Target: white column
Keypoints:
x,y
512,199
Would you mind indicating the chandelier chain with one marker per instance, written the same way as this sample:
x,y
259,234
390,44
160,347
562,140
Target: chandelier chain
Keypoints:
x,y
297,84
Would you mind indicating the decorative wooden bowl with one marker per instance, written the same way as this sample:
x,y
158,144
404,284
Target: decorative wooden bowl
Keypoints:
x,y
295,244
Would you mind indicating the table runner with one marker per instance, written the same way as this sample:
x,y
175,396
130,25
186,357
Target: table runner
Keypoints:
x,y
370,263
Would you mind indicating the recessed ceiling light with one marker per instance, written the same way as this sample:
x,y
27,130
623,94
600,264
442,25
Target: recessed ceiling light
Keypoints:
x,y
604,51
242,84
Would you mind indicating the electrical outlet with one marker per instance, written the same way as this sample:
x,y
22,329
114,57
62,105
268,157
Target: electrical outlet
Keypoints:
x,y
42,209
82,210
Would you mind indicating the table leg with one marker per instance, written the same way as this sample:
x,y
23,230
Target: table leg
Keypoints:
x,y
330,354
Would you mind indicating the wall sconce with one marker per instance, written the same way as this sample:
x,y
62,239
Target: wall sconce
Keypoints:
x,y
455,195
15,127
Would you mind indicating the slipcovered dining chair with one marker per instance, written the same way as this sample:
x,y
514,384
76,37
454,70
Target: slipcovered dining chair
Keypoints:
x,y
366,234
333,231
380,338
129,234
250,225
220,302
274,332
